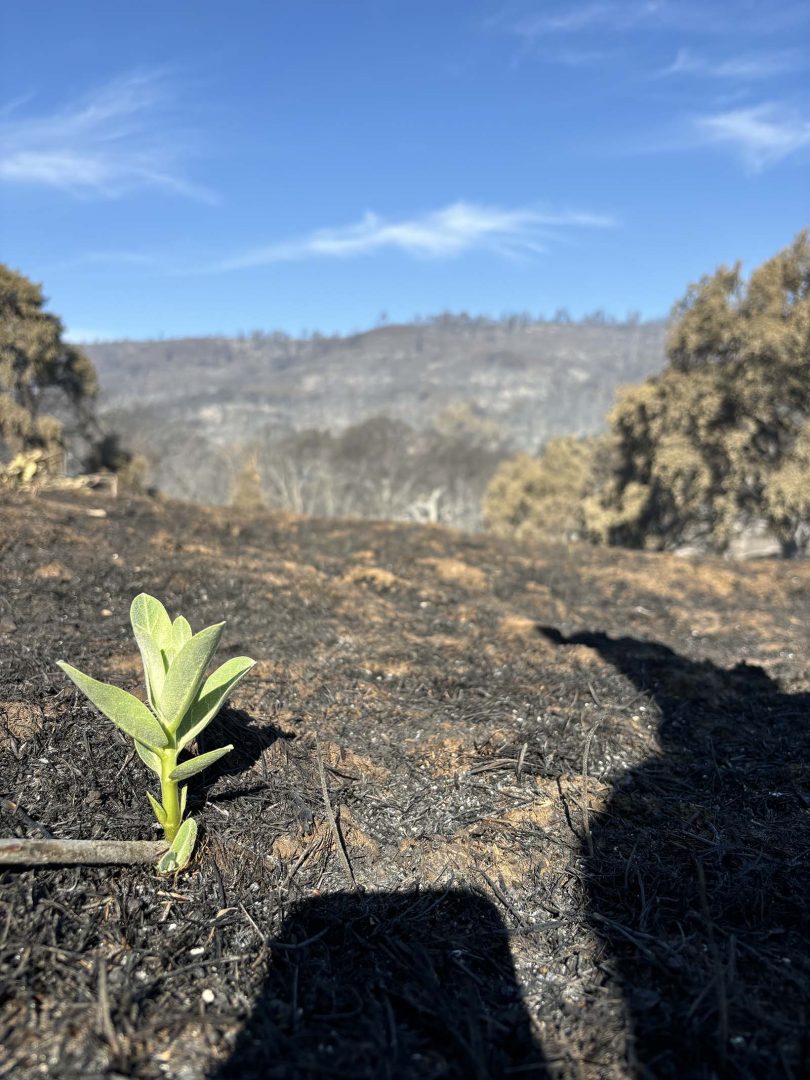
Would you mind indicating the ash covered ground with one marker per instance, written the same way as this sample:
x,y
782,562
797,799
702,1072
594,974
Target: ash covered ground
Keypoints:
x,y
570,786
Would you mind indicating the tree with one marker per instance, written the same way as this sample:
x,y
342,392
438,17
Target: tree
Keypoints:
x,y
466,421
542,498
246,487
720,441
38,371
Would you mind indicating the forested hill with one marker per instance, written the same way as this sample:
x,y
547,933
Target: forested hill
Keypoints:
x,y
534,379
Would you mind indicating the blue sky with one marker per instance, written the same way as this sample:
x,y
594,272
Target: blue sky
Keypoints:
x,y
176,168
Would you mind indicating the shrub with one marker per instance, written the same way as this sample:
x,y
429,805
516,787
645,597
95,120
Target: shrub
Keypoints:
x,y
530,498
719,442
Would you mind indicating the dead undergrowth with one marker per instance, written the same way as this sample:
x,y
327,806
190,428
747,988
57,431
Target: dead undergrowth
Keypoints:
x,y
568,801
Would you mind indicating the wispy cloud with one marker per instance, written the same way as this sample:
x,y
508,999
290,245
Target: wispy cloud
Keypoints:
x,y
725,20
119,138
763,134
615,17
751,66
441,234
565,21
725,48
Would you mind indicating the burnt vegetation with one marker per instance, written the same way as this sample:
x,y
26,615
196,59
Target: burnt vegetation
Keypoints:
x,y
449,397
712,454
493,811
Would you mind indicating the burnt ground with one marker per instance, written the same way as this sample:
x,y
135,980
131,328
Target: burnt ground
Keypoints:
x,y
571,785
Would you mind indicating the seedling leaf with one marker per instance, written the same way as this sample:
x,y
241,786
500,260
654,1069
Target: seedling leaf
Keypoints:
x,y
215,691
186,673
159,812
179,854
153,629
125,710
181,633
148,757
197,764
183,794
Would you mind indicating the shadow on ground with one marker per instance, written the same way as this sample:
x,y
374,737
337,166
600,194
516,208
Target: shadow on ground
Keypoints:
x,y
249,737
697,876
414,984
698,871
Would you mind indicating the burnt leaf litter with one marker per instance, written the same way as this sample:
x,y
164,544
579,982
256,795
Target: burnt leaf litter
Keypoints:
x,y
493,811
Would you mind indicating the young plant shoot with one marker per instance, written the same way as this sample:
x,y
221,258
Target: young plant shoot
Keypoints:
x,y
182,704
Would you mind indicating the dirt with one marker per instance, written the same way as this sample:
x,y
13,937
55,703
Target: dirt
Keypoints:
x,y
571,791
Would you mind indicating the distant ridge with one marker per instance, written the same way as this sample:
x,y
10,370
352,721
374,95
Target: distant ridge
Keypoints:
x,y
534,379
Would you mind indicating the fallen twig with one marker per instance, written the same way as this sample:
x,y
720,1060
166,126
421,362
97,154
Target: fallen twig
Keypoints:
x,y
504,899
330,817
12,807
14,852
104,1013
586,799
302,858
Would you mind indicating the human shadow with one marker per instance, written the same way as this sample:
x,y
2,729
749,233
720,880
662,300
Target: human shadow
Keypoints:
x,y
698,870
389,986
250,739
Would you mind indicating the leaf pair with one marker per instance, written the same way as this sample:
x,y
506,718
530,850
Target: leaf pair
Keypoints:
x,y
174,659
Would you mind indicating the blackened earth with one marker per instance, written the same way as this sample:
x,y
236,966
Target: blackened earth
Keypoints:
x,y
571,790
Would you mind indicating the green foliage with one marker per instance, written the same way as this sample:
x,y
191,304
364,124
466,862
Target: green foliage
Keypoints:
x,y
197,764
125,710
34,362
787,493
181,848
720,441
530,498
183,702
185,673
215,691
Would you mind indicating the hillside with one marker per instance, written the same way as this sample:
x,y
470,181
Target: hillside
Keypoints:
x,y
570,789
185,403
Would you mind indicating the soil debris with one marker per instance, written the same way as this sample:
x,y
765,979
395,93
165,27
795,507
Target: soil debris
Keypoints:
x,y
569,795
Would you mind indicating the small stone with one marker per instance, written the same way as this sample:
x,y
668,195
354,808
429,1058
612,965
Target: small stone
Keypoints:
x,y
105,612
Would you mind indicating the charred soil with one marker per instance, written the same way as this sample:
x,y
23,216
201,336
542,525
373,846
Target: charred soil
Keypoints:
x,y
568,831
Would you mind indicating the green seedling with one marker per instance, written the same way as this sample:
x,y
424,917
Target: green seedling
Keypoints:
x,y
182,704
